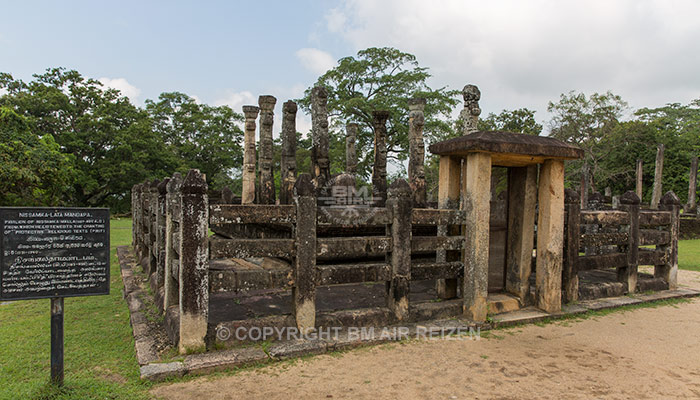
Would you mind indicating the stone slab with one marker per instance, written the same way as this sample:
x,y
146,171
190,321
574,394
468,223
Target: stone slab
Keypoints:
x,y
221,360
158,372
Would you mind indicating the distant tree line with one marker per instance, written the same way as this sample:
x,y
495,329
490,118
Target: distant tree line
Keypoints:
x,y
68,140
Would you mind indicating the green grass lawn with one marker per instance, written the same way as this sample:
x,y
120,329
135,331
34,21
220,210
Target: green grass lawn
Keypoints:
x,y
689,254
99,348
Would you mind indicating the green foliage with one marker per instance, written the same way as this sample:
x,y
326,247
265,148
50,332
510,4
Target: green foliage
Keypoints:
x,y
33,171
585,121
110,142
199,136
521,120
380,79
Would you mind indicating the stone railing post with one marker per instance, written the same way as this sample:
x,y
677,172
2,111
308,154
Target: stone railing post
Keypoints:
x,y
267,178
379,169
153,228
172,200
304,290
194,263
135,212
416,152
134,231
630,203
572,236
143,209
248,178
288,160
669,271
399,206
160,234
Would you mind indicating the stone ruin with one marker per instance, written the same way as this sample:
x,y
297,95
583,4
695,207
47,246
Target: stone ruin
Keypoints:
x,y
317,255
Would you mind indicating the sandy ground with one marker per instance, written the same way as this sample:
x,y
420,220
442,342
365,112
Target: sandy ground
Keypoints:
x,y
648,353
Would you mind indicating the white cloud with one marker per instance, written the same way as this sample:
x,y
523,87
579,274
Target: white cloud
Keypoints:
x,y
3,91
315,60
524,54
121,84
236,100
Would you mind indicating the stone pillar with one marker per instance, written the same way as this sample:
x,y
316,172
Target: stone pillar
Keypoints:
x,y
669,271
319,137
399,202
629,202
194,263
289,152
522,199
550,235
639,188
470,113
267,176
585,186
350,148
173,213
572,237
658,177
379,169
448,197
160,232
692,206
416,152
477,195
248,179
304,290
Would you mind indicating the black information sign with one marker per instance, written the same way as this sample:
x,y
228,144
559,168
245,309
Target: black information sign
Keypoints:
x,y
53,252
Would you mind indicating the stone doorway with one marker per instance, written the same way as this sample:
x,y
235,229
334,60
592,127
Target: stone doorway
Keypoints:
x,y
498,230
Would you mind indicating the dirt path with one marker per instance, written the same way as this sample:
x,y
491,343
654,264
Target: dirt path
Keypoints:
x,y
648,353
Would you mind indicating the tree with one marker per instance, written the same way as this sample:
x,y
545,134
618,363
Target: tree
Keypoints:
x,y
33,171
199,136
521,120
586,121
111,142
380,79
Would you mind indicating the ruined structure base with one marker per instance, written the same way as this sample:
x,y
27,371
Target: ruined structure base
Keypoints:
x,y
152,368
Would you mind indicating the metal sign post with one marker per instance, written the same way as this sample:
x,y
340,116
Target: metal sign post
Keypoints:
x,y
57,341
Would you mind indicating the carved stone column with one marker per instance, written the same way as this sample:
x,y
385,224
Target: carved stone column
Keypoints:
x,y
416,169
319,137
379,184
470,113
267,178
350,149
289,152
248,191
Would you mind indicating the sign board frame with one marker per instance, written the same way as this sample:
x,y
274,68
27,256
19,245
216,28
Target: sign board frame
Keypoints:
x,y
105,251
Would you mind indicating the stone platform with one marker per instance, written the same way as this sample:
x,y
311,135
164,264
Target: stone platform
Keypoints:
x,y
153,369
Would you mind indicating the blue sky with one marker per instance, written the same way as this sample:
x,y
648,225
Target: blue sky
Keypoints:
x,y
520,53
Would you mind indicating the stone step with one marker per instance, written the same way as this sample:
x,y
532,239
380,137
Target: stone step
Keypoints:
x,y
501,303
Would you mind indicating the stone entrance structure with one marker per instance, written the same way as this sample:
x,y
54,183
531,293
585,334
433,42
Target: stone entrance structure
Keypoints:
x,y
466,162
